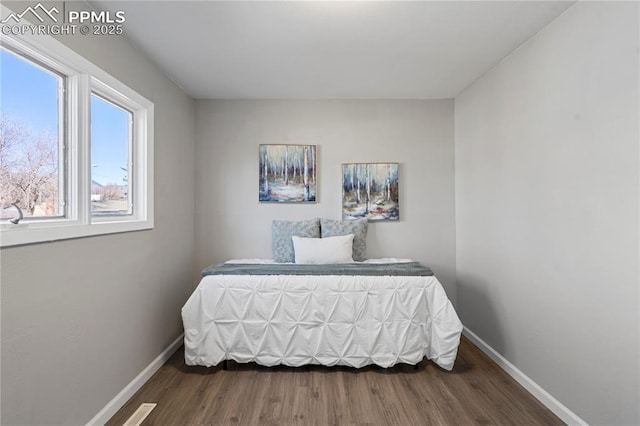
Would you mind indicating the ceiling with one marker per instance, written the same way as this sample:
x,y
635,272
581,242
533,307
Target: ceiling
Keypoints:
x,y
329,49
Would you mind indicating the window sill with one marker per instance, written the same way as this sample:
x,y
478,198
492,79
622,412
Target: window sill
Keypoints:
x,y
32,233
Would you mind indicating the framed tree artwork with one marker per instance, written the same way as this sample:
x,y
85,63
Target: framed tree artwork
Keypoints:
x,y
370,190
287,174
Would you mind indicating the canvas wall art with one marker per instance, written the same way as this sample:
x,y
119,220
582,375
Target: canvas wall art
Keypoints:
x,y
370,190
287,174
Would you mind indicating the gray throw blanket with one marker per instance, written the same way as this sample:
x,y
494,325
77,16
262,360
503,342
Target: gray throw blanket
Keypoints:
x,y
366,269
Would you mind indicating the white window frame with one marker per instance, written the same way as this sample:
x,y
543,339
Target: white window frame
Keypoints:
x,y
83,78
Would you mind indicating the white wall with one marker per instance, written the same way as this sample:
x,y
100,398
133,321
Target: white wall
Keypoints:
x,y
231,223
547,196
81,318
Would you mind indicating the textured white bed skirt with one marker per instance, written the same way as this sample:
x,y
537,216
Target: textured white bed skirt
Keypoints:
x,y
327,320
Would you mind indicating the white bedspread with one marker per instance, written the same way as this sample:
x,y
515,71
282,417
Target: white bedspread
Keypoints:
x,y
327,320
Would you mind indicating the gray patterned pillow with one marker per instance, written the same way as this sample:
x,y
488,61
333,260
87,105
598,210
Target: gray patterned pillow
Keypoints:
x,y
357,227
283,230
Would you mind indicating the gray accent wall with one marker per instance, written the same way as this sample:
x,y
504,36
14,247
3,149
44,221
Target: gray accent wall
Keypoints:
x,y
231,223
82,318
547,192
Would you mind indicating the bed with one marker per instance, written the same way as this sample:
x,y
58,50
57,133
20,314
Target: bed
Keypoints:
x,y
381,312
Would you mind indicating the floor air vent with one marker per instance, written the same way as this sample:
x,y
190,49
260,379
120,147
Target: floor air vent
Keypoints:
x,y
141,413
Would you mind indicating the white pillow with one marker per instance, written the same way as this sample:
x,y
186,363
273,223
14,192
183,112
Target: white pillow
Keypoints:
x,y
323,250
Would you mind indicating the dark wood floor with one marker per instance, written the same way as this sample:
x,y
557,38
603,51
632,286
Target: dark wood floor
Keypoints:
x,y
477,391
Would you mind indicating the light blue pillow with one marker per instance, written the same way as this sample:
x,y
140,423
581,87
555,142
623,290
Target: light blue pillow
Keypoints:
x,y
283,230
357,227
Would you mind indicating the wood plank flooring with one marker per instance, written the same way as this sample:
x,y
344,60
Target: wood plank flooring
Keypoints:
x,y
476,392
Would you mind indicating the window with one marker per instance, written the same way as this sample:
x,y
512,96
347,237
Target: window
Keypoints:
x,y
110,158
76,146
31,133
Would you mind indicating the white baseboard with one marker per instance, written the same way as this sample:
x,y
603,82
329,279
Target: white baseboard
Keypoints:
x,y
566,415
125,394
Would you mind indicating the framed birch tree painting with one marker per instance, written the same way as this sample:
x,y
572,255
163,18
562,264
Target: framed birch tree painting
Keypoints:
x,y
370,190
287,174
